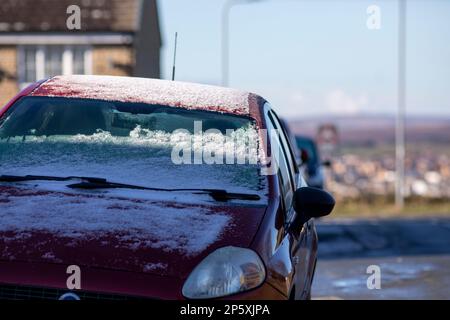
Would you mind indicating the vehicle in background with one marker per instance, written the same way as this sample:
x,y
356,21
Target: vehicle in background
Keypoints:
x,y
310,155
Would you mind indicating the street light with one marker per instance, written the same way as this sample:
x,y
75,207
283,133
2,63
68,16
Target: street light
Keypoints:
x,y
400,119
400,123
229,4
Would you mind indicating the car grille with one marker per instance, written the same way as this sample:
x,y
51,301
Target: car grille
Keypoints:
x,y
14,292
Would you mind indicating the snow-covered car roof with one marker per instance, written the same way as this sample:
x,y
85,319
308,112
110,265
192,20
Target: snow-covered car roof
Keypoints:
x,y
151,91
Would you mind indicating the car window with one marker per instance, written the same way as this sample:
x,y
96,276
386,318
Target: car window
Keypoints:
x,y
286,148
288,142
279,155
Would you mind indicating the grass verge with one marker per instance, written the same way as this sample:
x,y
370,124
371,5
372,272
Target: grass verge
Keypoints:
x,y
379,206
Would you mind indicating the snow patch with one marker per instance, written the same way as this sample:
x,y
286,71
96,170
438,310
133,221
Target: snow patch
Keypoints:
x,y
151,91
154,266
136,224
48,255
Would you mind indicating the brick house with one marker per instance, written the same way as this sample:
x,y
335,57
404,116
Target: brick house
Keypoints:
x,y
117,37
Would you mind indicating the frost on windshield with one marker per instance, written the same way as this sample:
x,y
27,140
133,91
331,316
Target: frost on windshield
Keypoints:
x,y
145,157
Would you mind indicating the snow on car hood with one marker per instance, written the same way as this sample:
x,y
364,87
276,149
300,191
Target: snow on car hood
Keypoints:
x,y
106,231
133,223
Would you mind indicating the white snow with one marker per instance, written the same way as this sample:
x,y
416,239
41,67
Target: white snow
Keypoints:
x,y
143,158
50,256
154,266
136,224
151,91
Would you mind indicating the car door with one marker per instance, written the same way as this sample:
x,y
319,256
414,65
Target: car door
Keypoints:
x,y
290,180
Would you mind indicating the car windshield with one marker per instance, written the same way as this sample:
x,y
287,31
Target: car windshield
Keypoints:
x,y
310,147
149,145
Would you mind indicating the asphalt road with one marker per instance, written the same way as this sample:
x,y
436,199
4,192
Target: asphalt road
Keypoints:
x,y
413,256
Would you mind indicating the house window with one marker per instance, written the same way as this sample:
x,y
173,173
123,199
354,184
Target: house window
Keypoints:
x,y
29,65
79,64
40,62
53,60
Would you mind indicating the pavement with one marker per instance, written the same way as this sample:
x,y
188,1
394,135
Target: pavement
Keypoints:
x,y
413,256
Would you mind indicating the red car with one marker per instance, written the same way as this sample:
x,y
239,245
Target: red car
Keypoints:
x,y
130,188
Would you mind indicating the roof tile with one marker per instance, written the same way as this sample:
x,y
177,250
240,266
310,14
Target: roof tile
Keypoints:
x,y
50,15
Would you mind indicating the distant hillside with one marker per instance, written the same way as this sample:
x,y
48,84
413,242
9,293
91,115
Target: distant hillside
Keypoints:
x,y
368,130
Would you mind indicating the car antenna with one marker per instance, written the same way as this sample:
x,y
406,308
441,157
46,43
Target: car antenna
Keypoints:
x,y
174,56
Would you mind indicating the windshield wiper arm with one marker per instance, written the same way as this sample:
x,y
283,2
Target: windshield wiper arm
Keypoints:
x,y
8,178
216,194
90,183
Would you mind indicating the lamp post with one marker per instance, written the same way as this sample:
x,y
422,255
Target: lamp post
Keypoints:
x,y
400,123
229,4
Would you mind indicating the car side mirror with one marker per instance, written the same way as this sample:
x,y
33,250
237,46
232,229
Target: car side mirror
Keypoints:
x,y
311,203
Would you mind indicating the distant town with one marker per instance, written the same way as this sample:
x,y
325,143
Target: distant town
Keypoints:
x,y
363,158
352,176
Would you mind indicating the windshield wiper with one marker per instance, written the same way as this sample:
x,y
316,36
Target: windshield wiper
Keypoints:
x,y
90,183
216,194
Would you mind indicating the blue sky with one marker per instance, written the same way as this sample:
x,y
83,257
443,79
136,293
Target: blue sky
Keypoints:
x,y
314,57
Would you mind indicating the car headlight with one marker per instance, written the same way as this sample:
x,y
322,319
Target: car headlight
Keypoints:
x,y
226,271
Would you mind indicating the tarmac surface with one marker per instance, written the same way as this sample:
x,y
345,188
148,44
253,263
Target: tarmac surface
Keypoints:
x,y
413,256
